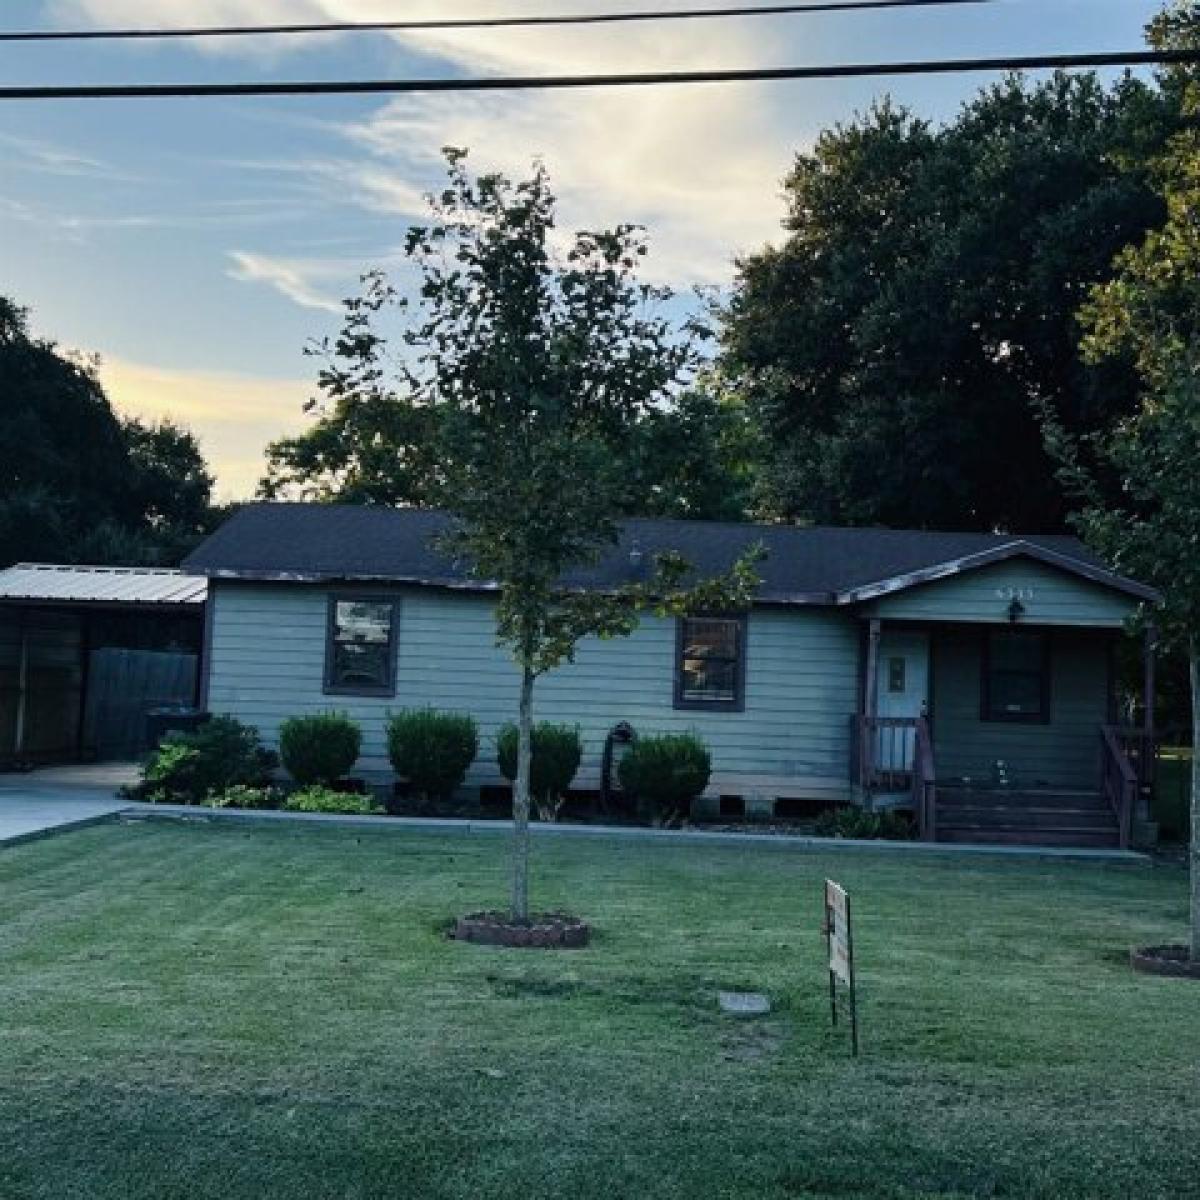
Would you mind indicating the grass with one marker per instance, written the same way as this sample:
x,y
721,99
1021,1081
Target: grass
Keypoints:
x,y
207,1011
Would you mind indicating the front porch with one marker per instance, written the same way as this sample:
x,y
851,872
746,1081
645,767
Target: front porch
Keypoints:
x,y
1003,732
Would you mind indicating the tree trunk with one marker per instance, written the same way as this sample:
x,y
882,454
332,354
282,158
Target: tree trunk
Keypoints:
x,y
1194,848
520,849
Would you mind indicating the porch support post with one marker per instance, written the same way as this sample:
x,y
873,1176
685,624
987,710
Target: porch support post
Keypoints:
x,y
1148,756
870,697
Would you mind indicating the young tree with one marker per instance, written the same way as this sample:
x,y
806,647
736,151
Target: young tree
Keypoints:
x,y
538,367
1149,314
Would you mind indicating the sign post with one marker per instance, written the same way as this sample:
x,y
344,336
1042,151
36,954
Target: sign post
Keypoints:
x,y
839,940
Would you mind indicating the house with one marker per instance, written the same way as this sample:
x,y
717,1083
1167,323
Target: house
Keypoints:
x,y
967,675
86,651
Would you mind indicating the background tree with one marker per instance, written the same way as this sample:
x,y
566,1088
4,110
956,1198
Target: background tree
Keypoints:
x,y
373,440
890,348
370,443
695,458
537,369
79,483
1149,313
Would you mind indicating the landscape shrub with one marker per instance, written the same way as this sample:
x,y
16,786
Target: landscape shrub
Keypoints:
x,y
666,772
319,749
218,755
318,799
557,750
432,750
857,823
242,795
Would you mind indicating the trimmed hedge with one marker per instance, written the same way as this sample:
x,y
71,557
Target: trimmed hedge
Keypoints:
x,y
320,748
432,750
666,772
557,750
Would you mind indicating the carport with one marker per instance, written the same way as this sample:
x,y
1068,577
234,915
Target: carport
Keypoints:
x,y
86,651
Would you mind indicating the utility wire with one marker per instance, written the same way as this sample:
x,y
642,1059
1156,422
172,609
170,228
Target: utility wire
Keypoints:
x,y
596,18
530,83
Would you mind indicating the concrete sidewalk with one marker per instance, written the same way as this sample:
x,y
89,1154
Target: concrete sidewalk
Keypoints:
x,y
56,799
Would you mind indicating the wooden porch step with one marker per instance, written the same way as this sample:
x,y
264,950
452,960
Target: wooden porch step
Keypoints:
x,y
1081,838
1029,817
984,817
1038,798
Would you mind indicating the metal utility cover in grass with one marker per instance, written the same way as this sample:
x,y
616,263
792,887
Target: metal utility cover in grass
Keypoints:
x,y
744,1004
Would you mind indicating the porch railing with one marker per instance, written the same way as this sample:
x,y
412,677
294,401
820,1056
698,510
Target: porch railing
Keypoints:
x,y
924,783
895,755
1140,747
1118,780
884,752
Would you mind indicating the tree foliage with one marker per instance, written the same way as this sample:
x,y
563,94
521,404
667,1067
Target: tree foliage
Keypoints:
x,y
373,440
79,482
538,366
1149,313
892,347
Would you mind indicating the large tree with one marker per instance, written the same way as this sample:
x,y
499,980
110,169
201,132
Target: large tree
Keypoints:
x,y
1149,313
926,295
372,440
536,368
79,482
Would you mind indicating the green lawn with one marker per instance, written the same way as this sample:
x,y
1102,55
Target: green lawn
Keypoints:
x,y
212,1011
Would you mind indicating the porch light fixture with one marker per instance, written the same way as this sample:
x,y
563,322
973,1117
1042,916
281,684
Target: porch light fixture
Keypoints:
x,y
635,555
1016,610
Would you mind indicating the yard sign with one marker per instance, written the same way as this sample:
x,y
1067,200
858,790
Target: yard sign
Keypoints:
x,y
840,941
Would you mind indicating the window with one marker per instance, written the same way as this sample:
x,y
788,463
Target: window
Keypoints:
x,y
360,650
710,666
897,669
1016,677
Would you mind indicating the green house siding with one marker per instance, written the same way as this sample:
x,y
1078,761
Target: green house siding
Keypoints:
x,y
1049,597
268,653
1061,753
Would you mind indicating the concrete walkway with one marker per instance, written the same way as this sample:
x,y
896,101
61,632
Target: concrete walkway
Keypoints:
x,y
55,799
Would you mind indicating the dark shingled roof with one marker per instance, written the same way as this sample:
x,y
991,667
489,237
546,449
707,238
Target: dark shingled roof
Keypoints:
x,y
804,565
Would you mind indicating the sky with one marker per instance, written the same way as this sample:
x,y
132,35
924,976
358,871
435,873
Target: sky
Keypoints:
x,y
197,245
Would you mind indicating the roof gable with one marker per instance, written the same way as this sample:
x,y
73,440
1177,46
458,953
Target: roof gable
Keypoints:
x,y
1018,548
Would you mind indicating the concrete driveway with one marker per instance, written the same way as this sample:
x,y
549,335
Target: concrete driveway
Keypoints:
x,y
57,798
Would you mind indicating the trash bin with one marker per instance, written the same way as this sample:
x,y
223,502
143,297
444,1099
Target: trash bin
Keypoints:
x,y
171,718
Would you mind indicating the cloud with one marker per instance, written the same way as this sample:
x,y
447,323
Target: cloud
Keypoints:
x,y
291,278
698,166
233,415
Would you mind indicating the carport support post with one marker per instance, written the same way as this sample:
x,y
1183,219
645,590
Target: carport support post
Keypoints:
x,y
22,687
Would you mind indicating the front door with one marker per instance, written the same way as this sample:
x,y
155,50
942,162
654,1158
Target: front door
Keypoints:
x,y
901,690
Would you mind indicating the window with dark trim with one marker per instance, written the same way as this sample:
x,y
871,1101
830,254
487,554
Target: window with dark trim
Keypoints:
x,y
710,663
1016,676
360,646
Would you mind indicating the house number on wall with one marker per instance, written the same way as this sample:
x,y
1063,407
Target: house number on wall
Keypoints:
x,y
1014,593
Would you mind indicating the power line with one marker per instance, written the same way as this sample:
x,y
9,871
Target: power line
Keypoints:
x,y
597,18
530,83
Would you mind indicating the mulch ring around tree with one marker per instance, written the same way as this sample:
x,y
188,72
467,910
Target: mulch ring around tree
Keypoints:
x,y
544,930
1175,961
